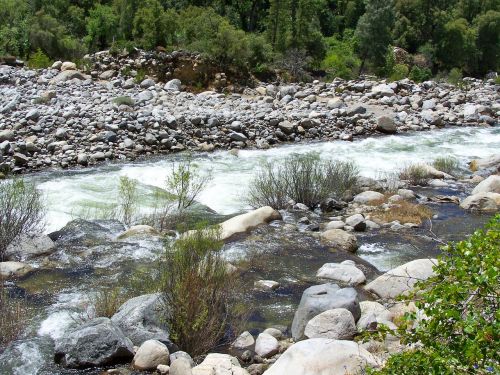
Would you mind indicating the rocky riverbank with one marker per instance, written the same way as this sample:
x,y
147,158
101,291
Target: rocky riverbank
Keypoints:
x,y
61,117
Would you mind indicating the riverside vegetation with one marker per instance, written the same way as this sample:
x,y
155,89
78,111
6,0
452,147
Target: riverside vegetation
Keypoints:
x,y
447,322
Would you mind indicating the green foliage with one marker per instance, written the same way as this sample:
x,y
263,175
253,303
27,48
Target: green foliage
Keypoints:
x,y
39,60
101,27
460,332
418,74
198,290
124,100
128,199
447,164
455,77
105,301
140,76
21,211
399,72
341,60
415,174
302,178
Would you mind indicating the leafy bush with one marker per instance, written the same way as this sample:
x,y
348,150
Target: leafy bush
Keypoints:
x,y
198,291
140,76
341,60
415,174
455,77
39,60
399,72
21,211
447,164
127,199
418,74
461,331
303,178
14,316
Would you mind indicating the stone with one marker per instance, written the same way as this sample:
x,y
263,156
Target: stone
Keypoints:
x,y
181,366
14,269
488,202
339,239
286,127
20,159
244,341
82,159
180,354
150,355
489,185
98,342
68,65
6,135
139,231
173,85
335,224
147,83
276,333
219,364
335,103
266,345
245,222
28,247
140,319
57,65
145,96
239,137
401,279
107,75
323,357
489,162
319,298
356,221
386,124
406,193
33,114
67,76
345,272
383,90
266,285
369,198
372,314
335,324
163,369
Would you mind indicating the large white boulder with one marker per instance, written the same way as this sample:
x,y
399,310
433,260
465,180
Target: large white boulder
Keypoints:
x,y
490,185
68,65
402,279
150,355
219,364
340,240
369,197
346,272
482,202
139,231
336,324
372,314
323,357
244,341
245,222
266,345
14,269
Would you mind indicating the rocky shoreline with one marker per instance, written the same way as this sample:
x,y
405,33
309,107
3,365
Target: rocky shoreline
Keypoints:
x,y
61,117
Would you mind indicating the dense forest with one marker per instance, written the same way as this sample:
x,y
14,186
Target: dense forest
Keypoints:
x,y
338,37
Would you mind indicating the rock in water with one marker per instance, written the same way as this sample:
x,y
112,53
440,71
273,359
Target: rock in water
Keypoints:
x,y
339,239
319,298
345,272
98,342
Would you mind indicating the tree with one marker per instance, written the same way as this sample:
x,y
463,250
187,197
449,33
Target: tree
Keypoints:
x,y
101,26
149,24
373,31
279,23
21,212
488,41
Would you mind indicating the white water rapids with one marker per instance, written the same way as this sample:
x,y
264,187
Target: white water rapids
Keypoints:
x,y
232,174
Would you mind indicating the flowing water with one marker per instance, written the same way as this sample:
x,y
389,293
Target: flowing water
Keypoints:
x,y
273,252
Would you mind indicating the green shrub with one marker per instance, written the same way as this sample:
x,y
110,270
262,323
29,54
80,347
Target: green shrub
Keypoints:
x,y
124,100
447,164
198,291
455,77
399,72
140,76
128,199
21,211
39,60
418,74
341,60
302,178
461,330
415,174
106,301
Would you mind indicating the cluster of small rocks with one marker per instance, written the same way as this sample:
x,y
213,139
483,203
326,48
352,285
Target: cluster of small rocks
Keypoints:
x,y
61,117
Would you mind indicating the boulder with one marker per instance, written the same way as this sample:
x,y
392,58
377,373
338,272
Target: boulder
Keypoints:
x,y
97,342
87,233
140,319
181,366
372,314
28,247
323,357
180,354
386,124
345,272
340,239
14,269
319,298
335,224
173,85
356,221
401,279
383,90
150,355
489,202
369,198
434,173
266,285
266,345
489,185
336,324
219,364
244,341
335,103
68,75
245,222
147,83
6,135
139,231
107,75
68,65
489,162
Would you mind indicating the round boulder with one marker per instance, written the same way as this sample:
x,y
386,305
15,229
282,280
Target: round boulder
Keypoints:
x,y
336,324
150,355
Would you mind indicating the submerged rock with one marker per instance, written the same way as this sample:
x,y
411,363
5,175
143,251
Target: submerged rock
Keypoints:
x,y
319,298
87,233
98,342
402,279
323,356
